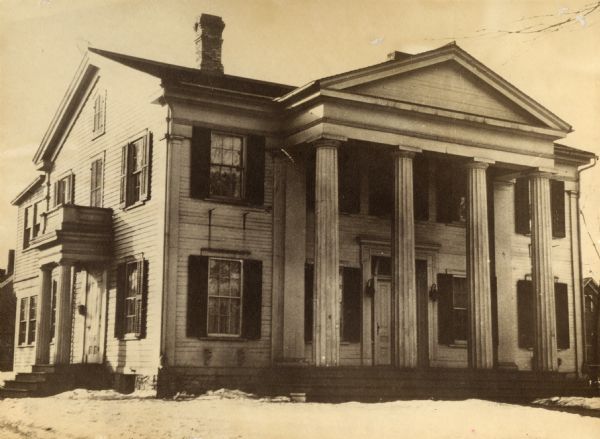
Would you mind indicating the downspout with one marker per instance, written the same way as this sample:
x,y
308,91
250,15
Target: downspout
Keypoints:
x,y
582,302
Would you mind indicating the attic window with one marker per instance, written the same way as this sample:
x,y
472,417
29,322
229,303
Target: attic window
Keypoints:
x,y
99,113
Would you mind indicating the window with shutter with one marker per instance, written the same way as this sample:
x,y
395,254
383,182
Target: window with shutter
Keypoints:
x,y
224,297
557,206
227,166
451,192
132,285
64,190
96,177
135,171
452,309
99,113
27,320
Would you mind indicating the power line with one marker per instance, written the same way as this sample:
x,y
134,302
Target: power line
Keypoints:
x,y
589,234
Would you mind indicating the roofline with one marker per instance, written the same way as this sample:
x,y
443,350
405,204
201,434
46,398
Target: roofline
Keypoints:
x,y
573,154
31,186
6,281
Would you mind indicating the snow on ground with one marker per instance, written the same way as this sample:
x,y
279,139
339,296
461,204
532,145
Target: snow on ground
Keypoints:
x,y
6,376
227,414
570,401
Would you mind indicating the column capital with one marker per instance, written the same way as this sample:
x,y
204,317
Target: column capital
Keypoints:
x,y
541,172
328,141
406,151
479,163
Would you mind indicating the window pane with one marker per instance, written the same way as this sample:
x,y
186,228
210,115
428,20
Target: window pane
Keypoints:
x,y
460,324
235,316
224,291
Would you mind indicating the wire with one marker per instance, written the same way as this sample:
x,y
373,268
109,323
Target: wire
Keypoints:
x,y
589,234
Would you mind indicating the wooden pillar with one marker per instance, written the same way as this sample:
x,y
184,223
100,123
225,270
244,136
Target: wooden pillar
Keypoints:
x,y
63,315
403,262
43,318
545,357
326,329
480,343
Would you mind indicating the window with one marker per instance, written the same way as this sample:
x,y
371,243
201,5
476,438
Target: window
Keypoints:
x,y
64,190
96,177
526,314
523,207
135,171
99,113
452,309
32,222
132,287
224,297
227,166
27,320
451,192
351,307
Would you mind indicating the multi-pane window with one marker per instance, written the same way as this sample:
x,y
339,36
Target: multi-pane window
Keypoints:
x,y
523,207
28,222
452,302
224,297
32,222
99,113
135,171
96,174
226,165
27,320
131,292
64,190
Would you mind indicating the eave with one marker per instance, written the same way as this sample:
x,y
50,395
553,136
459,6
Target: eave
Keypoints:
x,y
30,188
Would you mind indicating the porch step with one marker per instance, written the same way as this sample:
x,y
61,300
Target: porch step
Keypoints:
x,y
15,393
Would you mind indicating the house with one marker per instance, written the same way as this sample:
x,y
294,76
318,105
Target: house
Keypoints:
x,y
192,229
7,314
591,293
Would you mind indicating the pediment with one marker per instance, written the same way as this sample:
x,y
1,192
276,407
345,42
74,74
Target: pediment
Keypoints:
x,y
449,86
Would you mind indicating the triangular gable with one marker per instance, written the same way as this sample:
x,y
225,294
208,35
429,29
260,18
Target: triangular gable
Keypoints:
x,y
448,78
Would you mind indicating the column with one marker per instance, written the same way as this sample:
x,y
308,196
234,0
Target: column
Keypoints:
x,y
326,338
63,316
480,345
42,330
403,262
544,348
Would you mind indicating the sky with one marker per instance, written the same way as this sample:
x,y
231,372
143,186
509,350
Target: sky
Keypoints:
x,y
294,42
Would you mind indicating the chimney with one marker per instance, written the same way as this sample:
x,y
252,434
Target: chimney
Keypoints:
x,y
10,269
398,56
209,30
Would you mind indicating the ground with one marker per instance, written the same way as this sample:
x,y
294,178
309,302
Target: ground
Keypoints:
x,y
230,414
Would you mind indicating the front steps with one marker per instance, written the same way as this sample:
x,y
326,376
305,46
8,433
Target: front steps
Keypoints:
x,y
49,379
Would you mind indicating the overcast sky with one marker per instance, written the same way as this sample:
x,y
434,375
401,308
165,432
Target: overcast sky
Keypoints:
x,y
293,42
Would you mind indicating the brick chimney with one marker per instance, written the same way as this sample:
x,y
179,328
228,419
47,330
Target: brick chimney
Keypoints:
x,y
209,30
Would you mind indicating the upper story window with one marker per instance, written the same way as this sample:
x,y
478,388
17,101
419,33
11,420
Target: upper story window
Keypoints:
x,y
227,166
99,113
523,207
96,180
135,171
32,222
64,190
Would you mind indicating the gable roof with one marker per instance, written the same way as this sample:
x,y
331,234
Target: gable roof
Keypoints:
x,y
449,52
37,182
170,73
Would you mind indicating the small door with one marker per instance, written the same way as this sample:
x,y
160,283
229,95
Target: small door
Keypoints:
x,y
381,322
92,345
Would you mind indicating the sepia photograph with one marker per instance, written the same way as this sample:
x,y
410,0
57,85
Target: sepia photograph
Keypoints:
x,y
305,219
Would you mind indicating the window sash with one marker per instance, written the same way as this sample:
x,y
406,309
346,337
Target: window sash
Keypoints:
x,y
31,331
224,310
96,183
23,308
227,165
135,171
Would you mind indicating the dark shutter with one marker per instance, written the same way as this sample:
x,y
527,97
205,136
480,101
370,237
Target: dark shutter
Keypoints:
x,y
309,270
197,296
120,300
444,198
310,180
522,214
141,301
70,197
252,300
561,302
525,314
146,167
349,180
381,186
557,203
124,167
200,163
255,170
445,309
351,301
421,188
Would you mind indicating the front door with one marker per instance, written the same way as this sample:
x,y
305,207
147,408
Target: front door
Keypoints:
x,y
382,321
92,345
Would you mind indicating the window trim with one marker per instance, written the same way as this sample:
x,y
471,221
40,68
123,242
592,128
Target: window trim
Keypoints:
x,y
99,187
140,301
125,201
32,222
25,317
69,198
99,100
241,300
243,169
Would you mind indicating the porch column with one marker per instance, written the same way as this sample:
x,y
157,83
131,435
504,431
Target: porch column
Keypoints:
x,y
326,338
544,348
403,262
43,318
480,344
63,315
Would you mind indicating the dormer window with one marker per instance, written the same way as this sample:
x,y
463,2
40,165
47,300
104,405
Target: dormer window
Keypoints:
x,y
99,113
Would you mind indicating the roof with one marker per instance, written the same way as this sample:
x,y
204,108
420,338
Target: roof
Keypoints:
x,y
591,283
169,73
29,189
573,153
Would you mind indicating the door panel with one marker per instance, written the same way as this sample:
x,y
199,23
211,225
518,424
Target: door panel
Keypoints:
x,y
381,322
92,347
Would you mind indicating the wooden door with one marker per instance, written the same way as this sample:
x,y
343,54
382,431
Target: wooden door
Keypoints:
x,y
382,322
422,313
92,346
